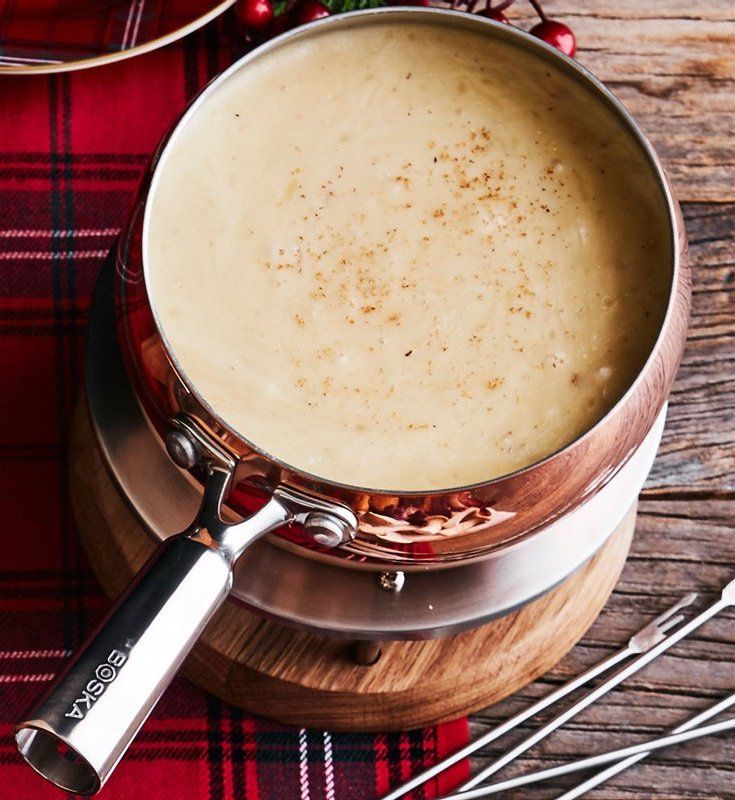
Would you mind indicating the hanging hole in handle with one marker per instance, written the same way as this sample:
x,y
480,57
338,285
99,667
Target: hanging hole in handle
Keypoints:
x,y
52,758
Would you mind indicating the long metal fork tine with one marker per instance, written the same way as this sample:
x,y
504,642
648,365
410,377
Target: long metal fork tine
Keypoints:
x,y
646,637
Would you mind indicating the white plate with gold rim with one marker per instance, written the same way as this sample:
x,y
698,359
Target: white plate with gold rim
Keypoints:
x,y
54,36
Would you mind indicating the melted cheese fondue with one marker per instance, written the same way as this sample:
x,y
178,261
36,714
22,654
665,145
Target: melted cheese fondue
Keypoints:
x,y
406,257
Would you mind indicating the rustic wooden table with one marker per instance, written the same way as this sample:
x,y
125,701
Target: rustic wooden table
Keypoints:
x,y
672,62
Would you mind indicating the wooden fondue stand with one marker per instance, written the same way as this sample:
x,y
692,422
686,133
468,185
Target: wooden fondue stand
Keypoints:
x,y
314,677
311,680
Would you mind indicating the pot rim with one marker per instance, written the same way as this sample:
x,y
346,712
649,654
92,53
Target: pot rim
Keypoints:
x,y
441,17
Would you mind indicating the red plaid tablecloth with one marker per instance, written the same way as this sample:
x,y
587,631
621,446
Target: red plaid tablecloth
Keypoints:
x,y
71,150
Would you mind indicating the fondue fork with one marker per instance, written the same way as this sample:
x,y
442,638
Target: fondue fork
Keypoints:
x,y
614,769
646,638
650,638
604,758
727,598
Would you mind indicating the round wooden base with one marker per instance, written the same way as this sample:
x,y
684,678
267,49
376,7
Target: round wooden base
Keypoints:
x,y
310,680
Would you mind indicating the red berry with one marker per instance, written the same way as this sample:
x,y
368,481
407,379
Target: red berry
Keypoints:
x,y
556,34
307,11
254,14
494,13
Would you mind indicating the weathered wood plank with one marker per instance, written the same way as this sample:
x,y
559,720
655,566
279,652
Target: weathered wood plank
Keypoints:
x,y
698,450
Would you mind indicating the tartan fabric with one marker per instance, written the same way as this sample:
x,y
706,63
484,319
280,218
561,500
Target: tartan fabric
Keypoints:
x,y
72,148
69,30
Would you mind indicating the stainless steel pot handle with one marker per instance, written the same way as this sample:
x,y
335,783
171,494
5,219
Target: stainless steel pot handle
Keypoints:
x,y
82,727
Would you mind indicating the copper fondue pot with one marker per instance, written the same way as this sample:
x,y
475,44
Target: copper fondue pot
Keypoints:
x,y
407,528
80,730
